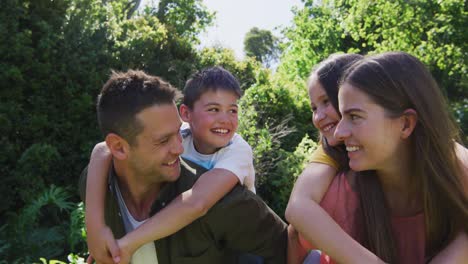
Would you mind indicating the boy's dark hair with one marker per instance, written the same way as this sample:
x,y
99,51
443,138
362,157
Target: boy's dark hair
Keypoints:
x,y
210,79
126,94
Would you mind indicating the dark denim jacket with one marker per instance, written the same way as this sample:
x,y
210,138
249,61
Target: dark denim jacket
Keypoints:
x,y
239,223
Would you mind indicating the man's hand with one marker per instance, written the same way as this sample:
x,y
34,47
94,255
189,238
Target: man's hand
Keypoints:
x,y
103,247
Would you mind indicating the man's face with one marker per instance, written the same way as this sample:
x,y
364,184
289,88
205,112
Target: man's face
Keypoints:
x,y
155,156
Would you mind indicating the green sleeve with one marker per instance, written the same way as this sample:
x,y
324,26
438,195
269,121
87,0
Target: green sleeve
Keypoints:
x,y
245,224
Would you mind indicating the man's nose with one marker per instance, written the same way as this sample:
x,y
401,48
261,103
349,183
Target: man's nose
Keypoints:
x,y
178,148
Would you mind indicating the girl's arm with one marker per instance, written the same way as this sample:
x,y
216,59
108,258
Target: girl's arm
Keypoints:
x,y
456,252
186,208
314,223
101,243
296,253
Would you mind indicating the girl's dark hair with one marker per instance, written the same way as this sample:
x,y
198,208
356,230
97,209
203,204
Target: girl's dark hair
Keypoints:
x,y
398,81
328,73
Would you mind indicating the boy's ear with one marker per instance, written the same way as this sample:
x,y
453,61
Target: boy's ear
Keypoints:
x,y
185,113
410,119
118,146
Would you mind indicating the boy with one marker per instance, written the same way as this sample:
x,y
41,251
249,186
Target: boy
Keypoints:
x,y
210,108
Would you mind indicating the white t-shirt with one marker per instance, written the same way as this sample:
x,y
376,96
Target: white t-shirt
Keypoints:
x,y
236,157
147,252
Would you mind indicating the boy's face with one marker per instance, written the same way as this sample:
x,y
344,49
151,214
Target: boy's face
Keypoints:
x,y
213,120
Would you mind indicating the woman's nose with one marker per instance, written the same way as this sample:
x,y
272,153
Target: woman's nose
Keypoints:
x,y
342,132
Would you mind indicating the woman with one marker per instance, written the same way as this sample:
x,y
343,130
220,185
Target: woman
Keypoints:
x,y
408,202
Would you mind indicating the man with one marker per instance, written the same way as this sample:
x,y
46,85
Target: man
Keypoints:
x,y
138,116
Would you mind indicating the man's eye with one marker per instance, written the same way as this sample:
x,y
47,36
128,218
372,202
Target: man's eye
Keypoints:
x,y
314,109
233,111
213,110
354,117
164,141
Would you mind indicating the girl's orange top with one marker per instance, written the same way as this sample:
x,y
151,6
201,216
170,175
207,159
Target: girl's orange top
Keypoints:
x,y
342,203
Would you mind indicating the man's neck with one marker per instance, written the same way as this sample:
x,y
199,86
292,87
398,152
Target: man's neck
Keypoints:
x,y
138,196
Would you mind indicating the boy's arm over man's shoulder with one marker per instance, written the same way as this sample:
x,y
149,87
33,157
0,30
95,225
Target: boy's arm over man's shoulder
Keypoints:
x,y
247,225
238,159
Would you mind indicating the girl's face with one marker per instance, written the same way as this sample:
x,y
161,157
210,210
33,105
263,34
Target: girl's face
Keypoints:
x,y
372,138
324,116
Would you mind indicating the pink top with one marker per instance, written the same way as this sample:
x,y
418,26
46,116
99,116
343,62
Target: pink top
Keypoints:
x,y
342,204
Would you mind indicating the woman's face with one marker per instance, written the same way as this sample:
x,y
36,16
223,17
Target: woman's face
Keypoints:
x,y
372,138
324,116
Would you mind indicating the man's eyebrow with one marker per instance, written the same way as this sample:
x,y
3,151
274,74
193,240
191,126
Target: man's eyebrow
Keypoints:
x,y
157,138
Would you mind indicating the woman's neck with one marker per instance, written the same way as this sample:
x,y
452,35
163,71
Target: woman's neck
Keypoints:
x,y
398,184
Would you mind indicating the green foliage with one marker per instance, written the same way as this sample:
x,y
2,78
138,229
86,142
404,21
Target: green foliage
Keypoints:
x,y
245,71
460,111
274,123
262,45
72,259
185,18
77,230
38,228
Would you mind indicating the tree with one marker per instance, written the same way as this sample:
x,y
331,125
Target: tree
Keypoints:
x,y
262,45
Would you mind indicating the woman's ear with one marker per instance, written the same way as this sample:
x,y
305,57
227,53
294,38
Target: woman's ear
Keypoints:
x,y
185,113
118,146
410,119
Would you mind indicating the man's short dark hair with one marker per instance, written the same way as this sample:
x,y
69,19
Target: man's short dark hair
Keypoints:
x,y
126,94
210,79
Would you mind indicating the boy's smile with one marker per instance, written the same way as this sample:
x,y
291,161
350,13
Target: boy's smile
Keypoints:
x,y
213,120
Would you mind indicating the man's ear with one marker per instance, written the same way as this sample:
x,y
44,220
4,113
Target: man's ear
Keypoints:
x,y
410,119
118,146
185,113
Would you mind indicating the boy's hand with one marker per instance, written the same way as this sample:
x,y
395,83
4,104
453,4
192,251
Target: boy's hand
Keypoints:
x,y
103,247
101,151
126,250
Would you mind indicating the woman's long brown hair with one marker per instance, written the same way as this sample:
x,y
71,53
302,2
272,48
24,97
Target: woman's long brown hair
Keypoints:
x,y
398,81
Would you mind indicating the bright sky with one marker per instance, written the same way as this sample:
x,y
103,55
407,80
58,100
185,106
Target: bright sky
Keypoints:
x,y
235,17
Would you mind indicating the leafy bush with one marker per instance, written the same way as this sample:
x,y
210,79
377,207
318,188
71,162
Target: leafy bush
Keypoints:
x,y
38,229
